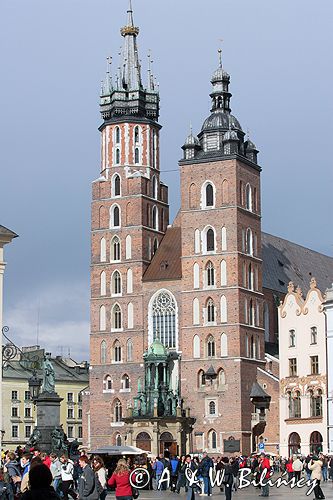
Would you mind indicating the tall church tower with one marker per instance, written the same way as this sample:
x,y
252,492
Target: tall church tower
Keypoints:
x,y
222,340
130,214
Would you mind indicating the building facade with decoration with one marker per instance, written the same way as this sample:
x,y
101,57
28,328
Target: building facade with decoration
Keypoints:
x,y
303,372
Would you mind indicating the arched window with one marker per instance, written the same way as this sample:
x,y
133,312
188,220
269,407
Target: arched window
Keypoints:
x,y
116,185
136,156
212,408
148,216
107,384
210,274
241,193
210,240
225,192
128,247
292,338
221,378
224,345
196,346
201,379
224,239
129,350
251,313
154,187
196,275
208,195
114,216
125,382
116,317
294,444
266,321
117,135
196,312
116,355
130,315
129,215
164,322
316,403
155,217
223,273
118,440
103,283
249,242
129,281
102,318
250,277
192,196
136,135
294,404
116,283
117,156
155,246
103,250
115,249
316,443
210,347
117,411
248,197
103,352
197,241
210,311
314,335
212,440
224,310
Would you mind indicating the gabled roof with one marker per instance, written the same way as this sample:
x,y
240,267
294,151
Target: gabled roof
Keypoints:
x,y
257,391
7,233
284,261
166,263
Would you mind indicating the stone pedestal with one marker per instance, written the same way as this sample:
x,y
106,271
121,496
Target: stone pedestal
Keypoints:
x,y
48,417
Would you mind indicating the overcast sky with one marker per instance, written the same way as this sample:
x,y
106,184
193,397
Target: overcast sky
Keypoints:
x,y
52,61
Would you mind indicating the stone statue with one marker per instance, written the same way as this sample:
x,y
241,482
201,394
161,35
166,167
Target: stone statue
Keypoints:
x,y
48,376
35,438
73,450
58,441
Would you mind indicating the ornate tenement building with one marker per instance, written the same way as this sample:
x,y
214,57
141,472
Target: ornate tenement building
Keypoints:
x,y
196,285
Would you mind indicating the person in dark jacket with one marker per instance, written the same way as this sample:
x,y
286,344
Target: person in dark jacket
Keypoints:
x,y
6,491
174,463
205,466
13,471
181,483
190,464
40,479
88,486
228,479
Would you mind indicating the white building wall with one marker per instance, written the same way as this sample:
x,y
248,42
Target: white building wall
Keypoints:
x,y
301,315
328,308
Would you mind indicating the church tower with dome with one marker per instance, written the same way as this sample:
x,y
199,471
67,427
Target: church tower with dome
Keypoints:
x,y
193,287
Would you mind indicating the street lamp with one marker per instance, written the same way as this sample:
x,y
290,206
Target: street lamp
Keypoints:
x,y
34,386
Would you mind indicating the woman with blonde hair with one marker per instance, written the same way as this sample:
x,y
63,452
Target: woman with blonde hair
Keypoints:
x,y
120,479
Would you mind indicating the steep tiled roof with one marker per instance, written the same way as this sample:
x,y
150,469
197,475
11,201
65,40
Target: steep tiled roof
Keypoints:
x,y
284,261
166,263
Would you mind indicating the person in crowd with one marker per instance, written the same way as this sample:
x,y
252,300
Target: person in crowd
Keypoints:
x,y
205,466
265,467
324,469
174,463
45,459
255,470
55,469
181,482
330,463
289,469
67,470
25,467
190,464
228,478
13,470
89,486
158,468
120,479
36,453
235,469
315,467
166,465
306,467
297,467
99,469
40,479
6,490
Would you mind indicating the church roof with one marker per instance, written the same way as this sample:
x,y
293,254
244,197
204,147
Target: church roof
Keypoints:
x,y
7,233
284,261
166,263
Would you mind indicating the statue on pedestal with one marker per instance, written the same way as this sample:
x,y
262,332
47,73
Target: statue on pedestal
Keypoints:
x,y
48,376
35,438
58,440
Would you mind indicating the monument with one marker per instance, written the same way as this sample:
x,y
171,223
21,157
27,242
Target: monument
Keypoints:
x,y
48,434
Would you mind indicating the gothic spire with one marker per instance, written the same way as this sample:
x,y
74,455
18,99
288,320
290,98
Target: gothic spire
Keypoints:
x,y
131,73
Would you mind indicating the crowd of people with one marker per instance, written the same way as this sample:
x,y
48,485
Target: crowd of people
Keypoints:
x,y
35,475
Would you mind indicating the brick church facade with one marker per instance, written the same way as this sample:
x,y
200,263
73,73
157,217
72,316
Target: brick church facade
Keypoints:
x,y
195,285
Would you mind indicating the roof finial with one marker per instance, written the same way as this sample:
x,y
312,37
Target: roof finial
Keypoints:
x,y
191,130
150,72
220,57
130,14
